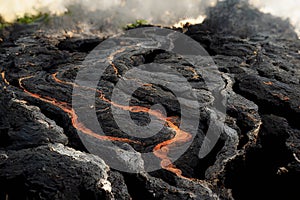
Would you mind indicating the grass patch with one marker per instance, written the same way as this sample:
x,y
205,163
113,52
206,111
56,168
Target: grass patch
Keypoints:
x,y
33,18
27,19
3,25
137,23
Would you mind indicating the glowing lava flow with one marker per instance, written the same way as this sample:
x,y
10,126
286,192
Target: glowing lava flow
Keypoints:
x,y
3,77
111,58
75,122
161,150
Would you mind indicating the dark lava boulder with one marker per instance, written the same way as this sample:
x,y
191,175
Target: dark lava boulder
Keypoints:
x,y
57,172
238,18
257,153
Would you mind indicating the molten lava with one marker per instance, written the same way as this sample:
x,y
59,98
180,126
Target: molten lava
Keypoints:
x,y
75,122
111,58
3,78
161,150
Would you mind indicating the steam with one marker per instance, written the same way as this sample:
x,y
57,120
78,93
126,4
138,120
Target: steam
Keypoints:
x,y
155,11
13,9
288,9
113,14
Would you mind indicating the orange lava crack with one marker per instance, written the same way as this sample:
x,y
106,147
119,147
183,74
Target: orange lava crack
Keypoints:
x,y
161,150
75,122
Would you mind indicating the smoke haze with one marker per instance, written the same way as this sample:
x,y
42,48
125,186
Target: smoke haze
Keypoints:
x,y
117,13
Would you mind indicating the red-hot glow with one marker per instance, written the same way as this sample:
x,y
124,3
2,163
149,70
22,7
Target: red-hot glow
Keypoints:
x,y
75,122
4,79
161,150
111,58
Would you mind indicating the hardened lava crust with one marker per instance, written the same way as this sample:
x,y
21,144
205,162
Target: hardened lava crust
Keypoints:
x,y
257,155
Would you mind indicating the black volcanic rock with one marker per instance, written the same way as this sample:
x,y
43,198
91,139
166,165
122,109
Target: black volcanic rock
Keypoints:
x,y
258,59
238,18
56,172
81,45
272,161
28,127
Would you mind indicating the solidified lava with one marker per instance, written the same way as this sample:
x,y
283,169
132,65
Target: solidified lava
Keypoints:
x,y
42,157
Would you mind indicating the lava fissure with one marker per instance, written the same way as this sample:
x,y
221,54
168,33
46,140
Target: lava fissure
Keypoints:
x,y
111,59
70,111
161,150
3,78
265,107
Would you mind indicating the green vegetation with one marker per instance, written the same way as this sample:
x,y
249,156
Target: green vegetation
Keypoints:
x,y
137,23
31,19
3,25
27,19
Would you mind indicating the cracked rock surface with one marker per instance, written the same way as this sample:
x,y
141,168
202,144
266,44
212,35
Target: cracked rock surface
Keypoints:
x,y
257,155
